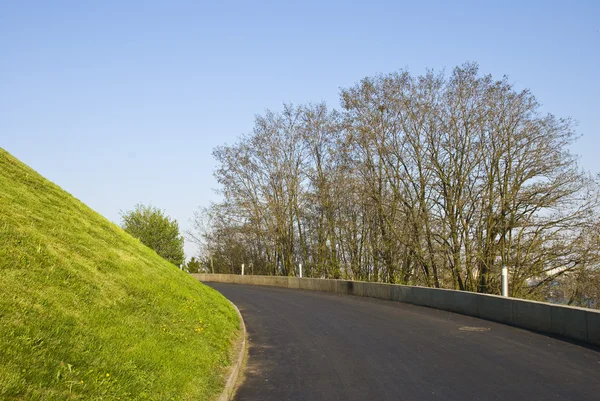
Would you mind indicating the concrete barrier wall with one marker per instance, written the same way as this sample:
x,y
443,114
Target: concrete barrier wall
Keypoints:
x,y
573,323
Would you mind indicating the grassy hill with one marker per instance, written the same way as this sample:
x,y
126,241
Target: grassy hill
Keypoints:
x,y
88,312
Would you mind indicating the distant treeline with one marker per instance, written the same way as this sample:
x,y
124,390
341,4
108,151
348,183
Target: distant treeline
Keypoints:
x,y
435,180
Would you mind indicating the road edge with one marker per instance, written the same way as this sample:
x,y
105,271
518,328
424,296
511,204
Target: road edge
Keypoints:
x,y
229,390
574,324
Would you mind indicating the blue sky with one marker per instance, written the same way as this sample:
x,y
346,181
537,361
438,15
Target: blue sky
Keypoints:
x,y
121,102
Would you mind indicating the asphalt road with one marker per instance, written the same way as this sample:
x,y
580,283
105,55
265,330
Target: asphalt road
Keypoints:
x,y
318,346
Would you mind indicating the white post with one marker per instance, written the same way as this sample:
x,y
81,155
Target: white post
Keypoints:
x,y
242,269
300,270
505,281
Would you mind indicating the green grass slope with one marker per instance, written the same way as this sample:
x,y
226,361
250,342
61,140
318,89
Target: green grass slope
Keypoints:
x,y
87,312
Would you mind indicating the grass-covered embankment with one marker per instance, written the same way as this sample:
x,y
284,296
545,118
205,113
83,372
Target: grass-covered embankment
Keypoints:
x,y
87,312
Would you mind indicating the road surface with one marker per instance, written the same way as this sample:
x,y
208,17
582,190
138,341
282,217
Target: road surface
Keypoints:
x,y
318,346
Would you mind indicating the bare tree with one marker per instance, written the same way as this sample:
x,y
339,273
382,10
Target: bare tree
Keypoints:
x,y
436,180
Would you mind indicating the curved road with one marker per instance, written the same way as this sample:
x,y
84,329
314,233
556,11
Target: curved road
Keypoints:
x,y
318,346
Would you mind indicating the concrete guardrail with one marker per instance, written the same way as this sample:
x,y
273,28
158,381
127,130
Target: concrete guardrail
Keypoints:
x,y
578,324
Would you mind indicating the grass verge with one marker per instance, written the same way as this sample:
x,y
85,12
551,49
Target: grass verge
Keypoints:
x,y
87,312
